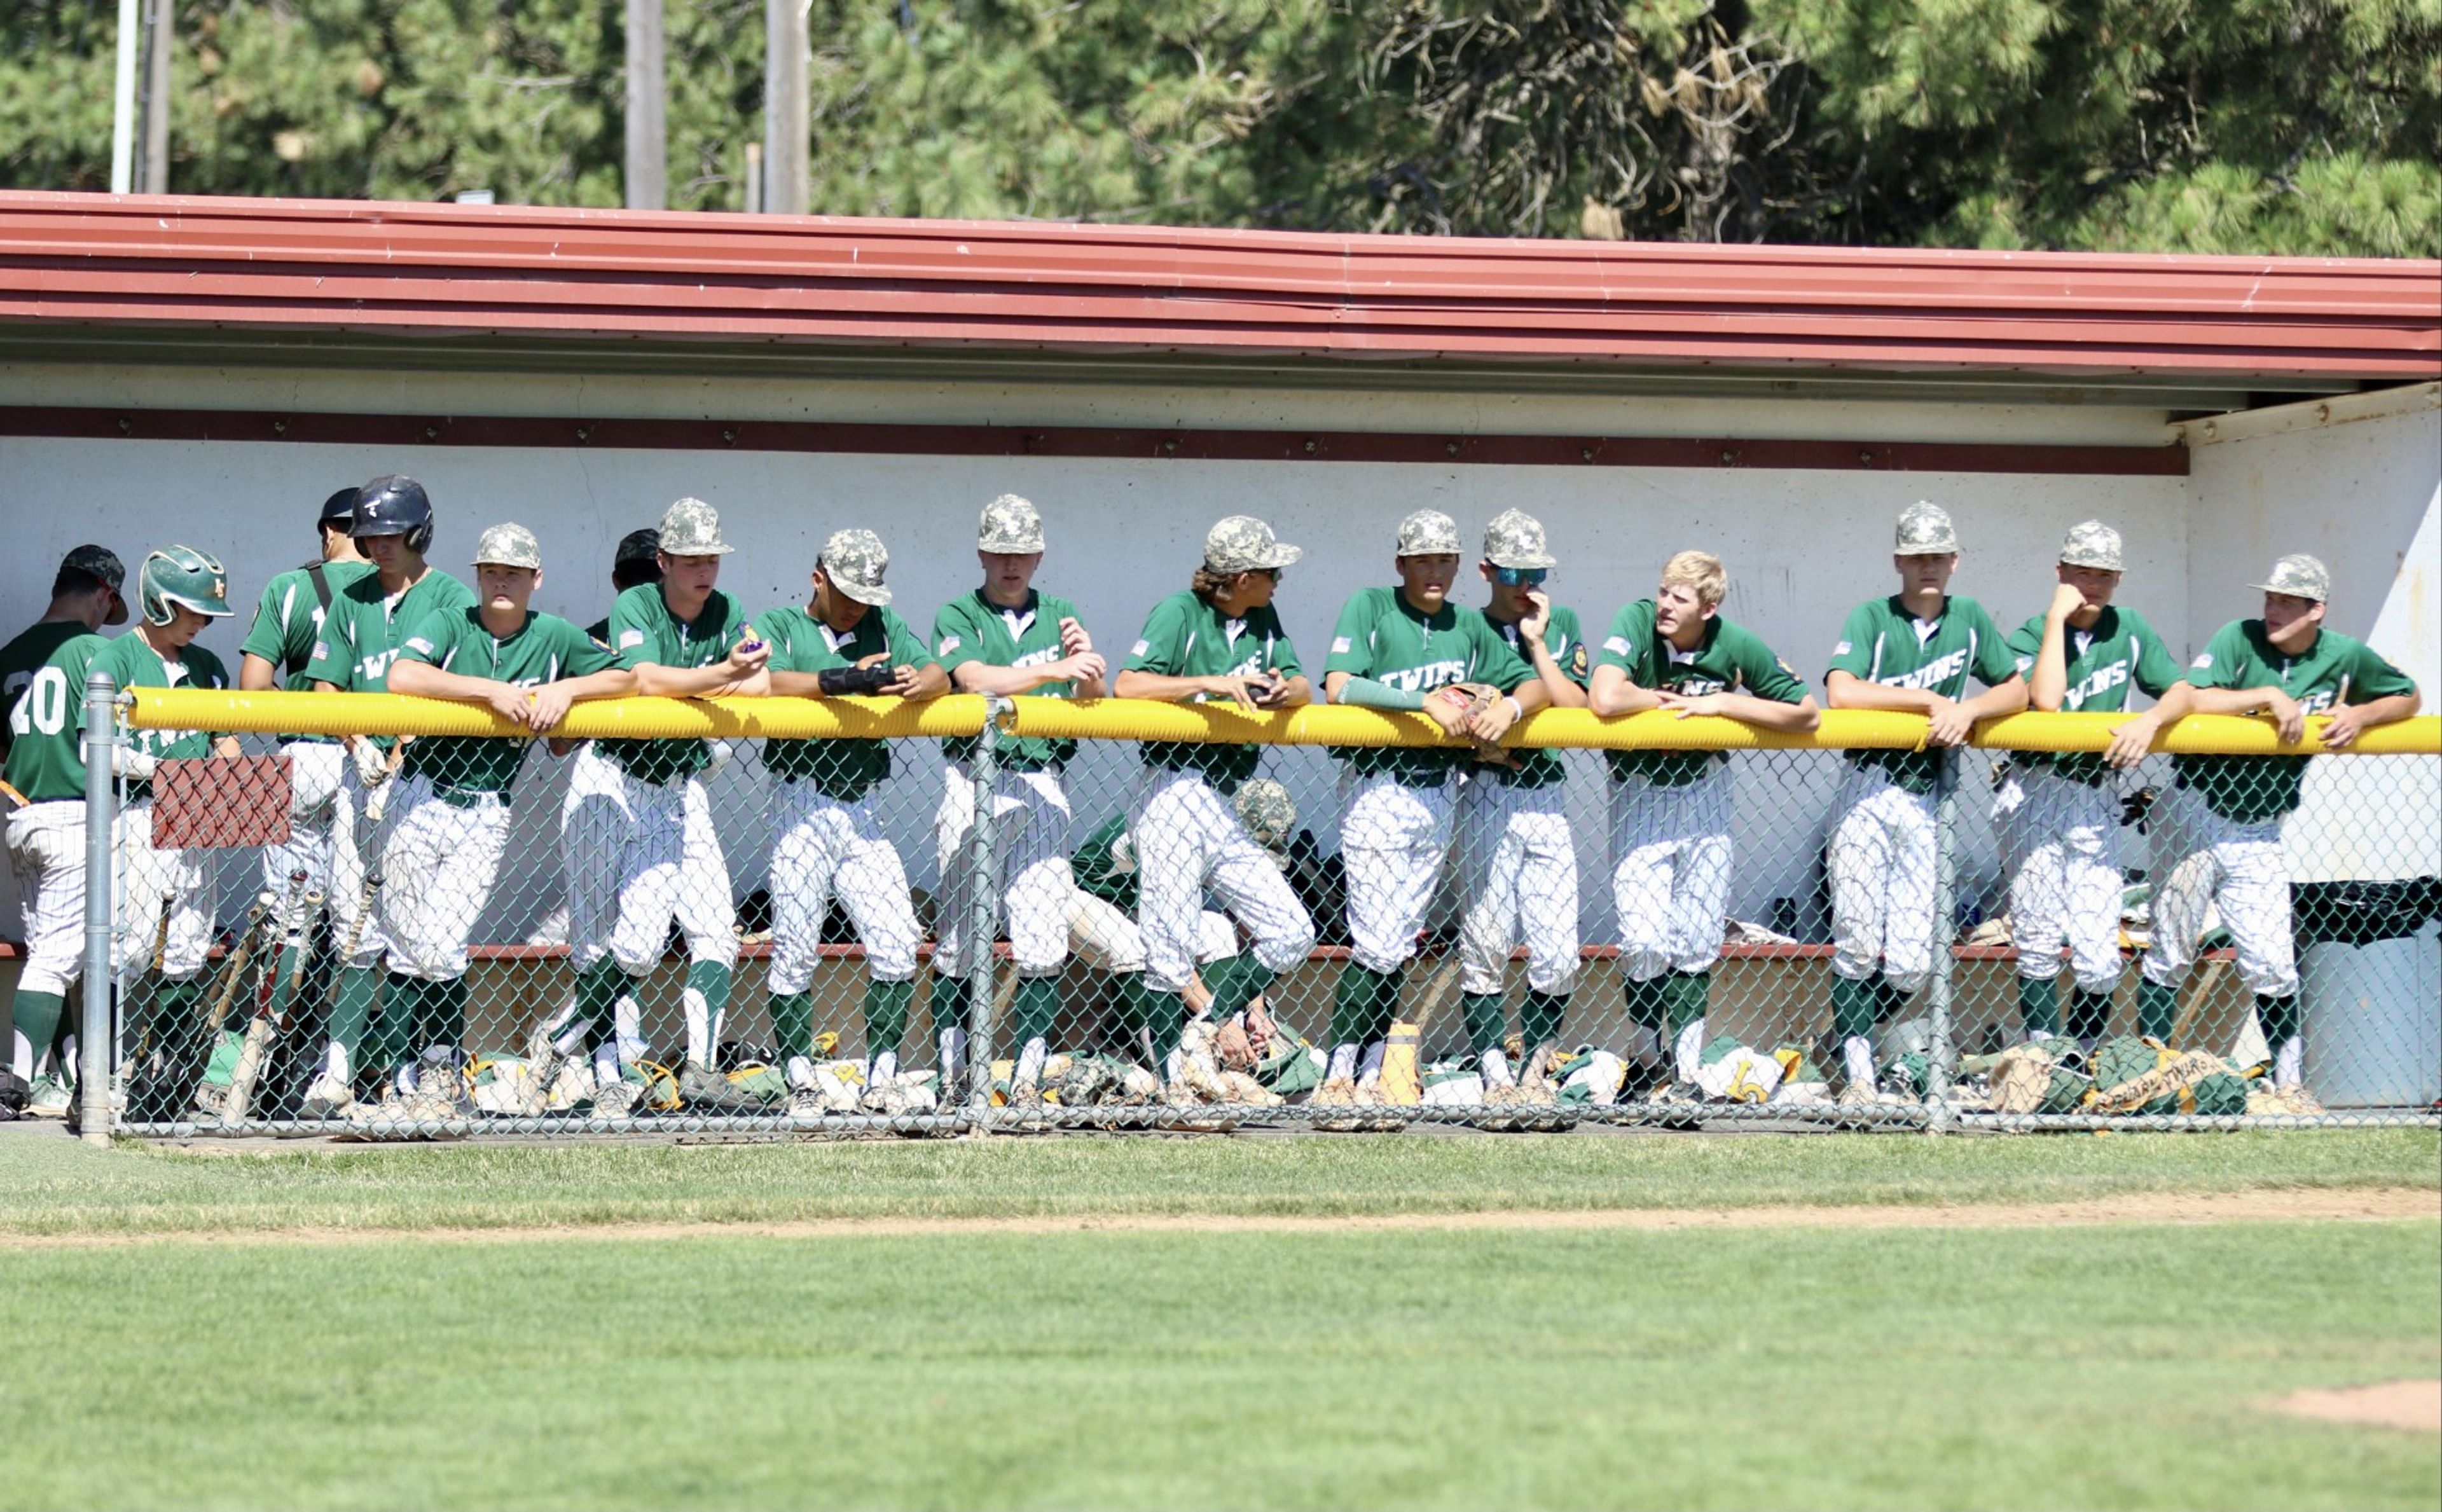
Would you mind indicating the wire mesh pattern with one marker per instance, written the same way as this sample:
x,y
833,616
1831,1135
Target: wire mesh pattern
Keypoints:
x,y
401,932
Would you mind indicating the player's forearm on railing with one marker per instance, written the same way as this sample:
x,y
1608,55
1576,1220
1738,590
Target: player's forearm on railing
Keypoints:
x,y
420,679
1771,713
1161,687
653,681
1613,694
1848,691
1994,703
2229,701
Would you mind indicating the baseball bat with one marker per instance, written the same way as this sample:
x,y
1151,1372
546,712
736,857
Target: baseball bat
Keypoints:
x,y
240,954
378,800
16,799
259,1030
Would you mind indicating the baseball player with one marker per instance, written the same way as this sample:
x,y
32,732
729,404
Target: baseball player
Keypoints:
x,y
451,815
287,621
1911,653
824,839
2058,816
1103,931
45,768
707,918
2217,833
1008,638
1218,641
165,896
1518,860
84,598
1397,648
368,622
626,839
1671,810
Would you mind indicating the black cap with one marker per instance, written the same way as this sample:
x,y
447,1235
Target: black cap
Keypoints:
x,y
98,562
339,508
638,546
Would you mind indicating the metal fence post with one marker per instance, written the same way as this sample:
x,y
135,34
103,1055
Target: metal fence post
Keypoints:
x,y
1942,1055
101,794
982,909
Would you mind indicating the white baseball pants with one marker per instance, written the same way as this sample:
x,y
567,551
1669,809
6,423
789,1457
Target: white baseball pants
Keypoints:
x,y
1029,883
350,848
1518,864
149,881
1670,872
2202,862
315,772
47,854
821,846
2059,846
1393,839
707,915
624,844
440,862
1187,838
1106,939
1882,865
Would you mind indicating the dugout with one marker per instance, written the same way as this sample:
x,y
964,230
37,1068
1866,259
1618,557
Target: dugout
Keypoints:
x,y
208,370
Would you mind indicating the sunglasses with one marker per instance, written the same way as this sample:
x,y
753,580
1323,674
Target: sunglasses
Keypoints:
x,y
1520,576
1275,573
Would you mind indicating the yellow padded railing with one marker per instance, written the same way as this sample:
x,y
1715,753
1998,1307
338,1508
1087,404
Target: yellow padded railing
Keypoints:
x,y
1142,719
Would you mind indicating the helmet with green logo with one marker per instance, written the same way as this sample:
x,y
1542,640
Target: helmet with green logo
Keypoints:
x,y
181,574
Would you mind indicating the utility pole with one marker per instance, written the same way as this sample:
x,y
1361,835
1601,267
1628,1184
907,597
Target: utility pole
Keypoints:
x,y
787,123
649,150
122,104
159,40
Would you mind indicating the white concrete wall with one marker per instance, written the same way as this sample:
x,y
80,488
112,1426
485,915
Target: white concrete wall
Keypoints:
x,y
1802,547
2356,482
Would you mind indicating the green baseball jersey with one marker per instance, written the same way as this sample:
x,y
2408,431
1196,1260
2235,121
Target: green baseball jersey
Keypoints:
x,y
1099,869
132,663
1729,659
288,620
2119,648
47,756
543,649
800,642
366,627
642,631
972,628
1382,636
24,657
1185,637
1883,643
1567,642
2333,671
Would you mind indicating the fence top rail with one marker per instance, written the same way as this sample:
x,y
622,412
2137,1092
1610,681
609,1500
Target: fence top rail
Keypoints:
x,y
274,713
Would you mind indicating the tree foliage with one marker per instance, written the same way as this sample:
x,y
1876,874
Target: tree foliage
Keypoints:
x,y
2195,125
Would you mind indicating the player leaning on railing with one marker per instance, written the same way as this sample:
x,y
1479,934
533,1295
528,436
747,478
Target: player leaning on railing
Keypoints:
x,y
1671,810
449,817
2058,815
2217,832
367,624
1911,653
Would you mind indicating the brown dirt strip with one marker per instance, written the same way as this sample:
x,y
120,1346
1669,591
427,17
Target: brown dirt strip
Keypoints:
x,y
2412,1407
2372,1204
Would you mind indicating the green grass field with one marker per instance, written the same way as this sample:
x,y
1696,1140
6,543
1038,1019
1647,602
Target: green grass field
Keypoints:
x,y
227,1359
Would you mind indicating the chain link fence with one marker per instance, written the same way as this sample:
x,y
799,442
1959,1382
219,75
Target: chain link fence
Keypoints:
x,y
799,924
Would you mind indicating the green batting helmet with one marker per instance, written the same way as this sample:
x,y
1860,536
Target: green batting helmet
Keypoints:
x,y
181,574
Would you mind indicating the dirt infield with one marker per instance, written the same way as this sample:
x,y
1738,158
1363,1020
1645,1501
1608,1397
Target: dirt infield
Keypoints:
x,y
2376,1204
2413,1407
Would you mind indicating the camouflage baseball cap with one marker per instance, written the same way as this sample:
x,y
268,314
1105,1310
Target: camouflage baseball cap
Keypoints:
x,y
1010,524
855,560
1925,530
2093,545
1515,539
2300,576
509,545
1429,532
692,528
1242,543
1267,812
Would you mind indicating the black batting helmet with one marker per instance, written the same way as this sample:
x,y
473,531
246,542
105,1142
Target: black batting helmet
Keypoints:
x,y
395,505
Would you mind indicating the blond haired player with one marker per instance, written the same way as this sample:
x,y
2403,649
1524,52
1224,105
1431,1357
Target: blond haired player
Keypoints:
x,y
449,822
1518,860
2058,816
1910,653
1219,641
1671,810
2217,832
1006,637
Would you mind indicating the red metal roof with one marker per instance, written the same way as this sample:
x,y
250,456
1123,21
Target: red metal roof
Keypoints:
x,y
427,270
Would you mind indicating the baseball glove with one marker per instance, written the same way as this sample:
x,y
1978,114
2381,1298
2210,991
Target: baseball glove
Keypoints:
x,y
2136,805
1475,698
835,680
